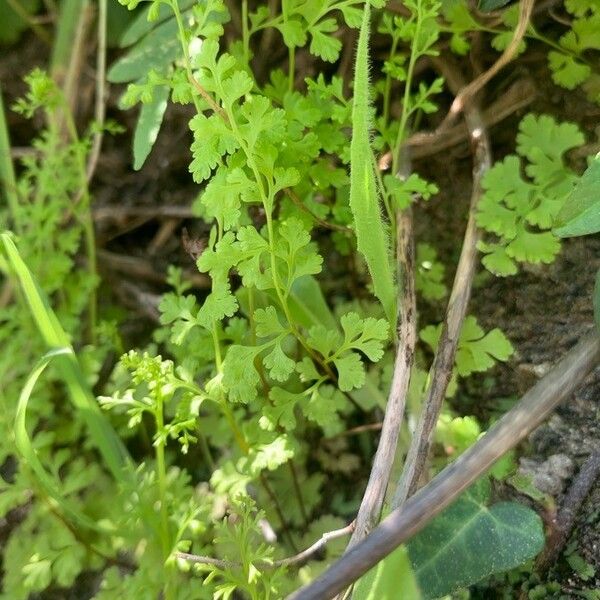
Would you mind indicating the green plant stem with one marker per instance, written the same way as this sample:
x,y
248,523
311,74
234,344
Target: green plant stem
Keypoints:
x,y
388,85
217,347
269,490
291,68
391,214
298,491
267,201
161,474
245,32
251,320
184,47
205,449
283,300
533,33
414,54
237,433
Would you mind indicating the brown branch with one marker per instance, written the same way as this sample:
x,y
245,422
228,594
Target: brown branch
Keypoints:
x,y
467,94
305,555
115,213
519,95
355,431
209,99
72,76
100,105
297,202
443,362
565,520
132,296
369,512
139,268
420,509
299,558
522,93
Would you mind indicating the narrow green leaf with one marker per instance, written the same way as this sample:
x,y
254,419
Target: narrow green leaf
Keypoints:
x,y
470,541
391,578
101,432
581,212
148,126
8,181
29,455
71,11
140,26
157,51
490,5
308,305
370,229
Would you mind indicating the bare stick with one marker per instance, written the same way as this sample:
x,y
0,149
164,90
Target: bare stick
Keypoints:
x,y
209,99
522,93
78,54
299,558
443,362
468,93
140,268
519,95
372,502
565,520
406,521
115,213
100,106
334,226
356,431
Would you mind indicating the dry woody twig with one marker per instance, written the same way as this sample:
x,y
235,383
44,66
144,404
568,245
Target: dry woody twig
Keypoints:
x,y
420,509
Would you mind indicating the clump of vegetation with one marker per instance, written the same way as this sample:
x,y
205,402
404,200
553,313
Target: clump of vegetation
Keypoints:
x,y
204,460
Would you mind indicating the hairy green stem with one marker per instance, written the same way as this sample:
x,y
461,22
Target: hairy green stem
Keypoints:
x,y
267,202
227,412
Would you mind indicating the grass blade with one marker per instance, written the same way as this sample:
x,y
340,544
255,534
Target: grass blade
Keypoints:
x,y
101,432
8,181
371,233
148,125
29,455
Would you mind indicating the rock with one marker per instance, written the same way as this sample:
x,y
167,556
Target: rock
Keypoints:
x,y
549,476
